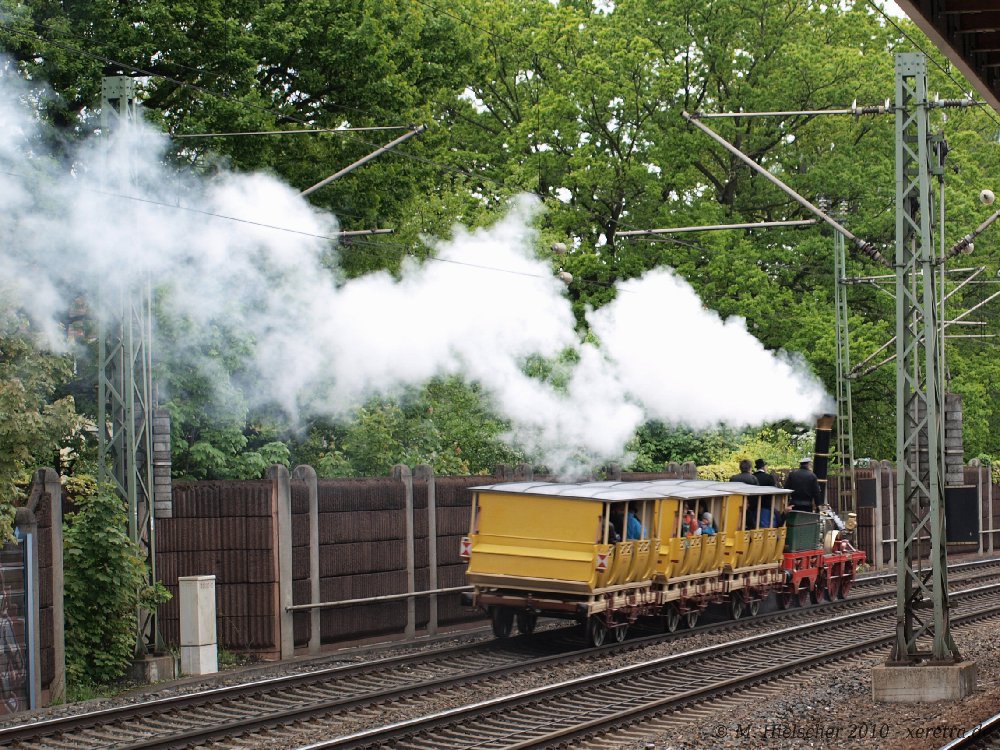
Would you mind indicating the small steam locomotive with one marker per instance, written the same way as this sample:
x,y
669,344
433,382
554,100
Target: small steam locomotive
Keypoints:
x,y
606,554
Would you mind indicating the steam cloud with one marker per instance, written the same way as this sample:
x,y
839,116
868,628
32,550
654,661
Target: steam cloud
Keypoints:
x,y
322,345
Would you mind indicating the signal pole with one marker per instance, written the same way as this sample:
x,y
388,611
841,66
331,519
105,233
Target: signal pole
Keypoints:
x,y
125,388
847,500
913,672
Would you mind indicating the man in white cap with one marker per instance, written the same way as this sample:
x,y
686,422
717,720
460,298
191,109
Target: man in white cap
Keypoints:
x,y
804,486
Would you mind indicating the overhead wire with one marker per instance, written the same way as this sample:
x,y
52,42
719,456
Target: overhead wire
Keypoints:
x,y
481,175
204,90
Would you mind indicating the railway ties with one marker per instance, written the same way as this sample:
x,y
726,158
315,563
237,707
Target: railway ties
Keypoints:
x,y
345,700
599,704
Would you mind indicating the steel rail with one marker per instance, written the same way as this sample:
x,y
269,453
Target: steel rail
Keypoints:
x,y
986,734
474,660
401,665
504,714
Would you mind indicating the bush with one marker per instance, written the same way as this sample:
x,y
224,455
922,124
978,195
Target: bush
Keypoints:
x,y
106,583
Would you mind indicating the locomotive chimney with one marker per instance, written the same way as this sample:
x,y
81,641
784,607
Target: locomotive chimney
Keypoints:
x,y
821,456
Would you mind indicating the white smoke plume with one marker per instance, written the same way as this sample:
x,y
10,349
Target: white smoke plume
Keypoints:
x,y
320,344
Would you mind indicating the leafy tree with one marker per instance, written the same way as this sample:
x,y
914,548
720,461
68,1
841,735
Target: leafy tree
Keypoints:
x,y
34,423
445,424
657,444
106,582
578,104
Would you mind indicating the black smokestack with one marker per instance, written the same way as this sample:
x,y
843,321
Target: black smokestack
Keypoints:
x,y
821,456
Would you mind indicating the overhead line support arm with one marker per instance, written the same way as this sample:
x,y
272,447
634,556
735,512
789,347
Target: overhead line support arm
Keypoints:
x,y
864,247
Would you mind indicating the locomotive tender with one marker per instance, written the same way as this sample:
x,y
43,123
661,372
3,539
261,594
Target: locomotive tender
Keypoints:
x,y
564,550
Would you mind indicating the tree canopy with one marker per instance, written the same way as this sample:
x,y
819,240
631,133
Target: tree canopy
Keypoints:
x,y
579,103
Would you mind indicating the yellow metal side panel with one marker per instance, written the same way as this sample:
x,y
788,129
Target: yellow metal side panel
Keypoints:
x,y
532,562
711,558
539,517
755,553
640,561
536,537
770,545
604,576
669,549
736,544
733,509
622,563
674,556
709,548
740,548
654,555
692,555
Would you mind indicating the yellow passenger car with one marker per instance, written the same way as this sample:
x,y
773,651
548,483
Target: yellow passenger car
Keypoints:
x,y
608,553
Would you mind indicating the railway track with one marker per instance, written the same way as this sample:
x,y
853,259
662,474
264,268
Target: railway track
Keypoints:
x,y
184,721
575,711
984,736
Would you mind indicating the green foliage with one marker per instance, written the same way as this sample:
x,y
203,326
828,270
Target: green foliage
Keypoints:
x,y
657,444
446,424
718,453
34,422
106,581
579,105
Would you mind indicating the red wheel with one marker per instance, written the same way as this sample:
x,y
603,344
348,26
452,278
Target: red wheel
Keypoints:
x,y
818,591
846,582
833,582
805,595
833,589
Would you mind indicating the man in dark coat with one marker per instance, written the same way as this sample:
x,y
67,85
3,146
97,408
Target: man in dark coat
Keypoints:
x,y
768,518
764,478
804,486
747,478
744,476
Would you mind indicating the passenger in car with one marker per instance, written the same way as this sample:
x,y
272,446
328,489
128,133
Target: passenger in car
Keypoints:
x,y
689,527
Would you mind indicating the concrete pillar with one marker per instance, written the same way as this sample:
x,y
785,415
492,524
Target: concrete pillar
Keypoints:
x,y
281,519
48,480
523,473
424,471
879,552
307,474
689,470
403,474
199,647
674,469
989,504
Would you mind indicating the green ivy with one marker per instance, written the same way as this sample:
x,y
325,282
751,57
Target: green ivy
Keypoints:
x,y
106,582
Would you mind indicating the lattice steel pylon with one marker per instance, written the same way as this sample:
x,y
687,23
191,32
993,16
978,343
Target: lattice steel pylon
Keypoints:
x,y
125,391
919,391
845,408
